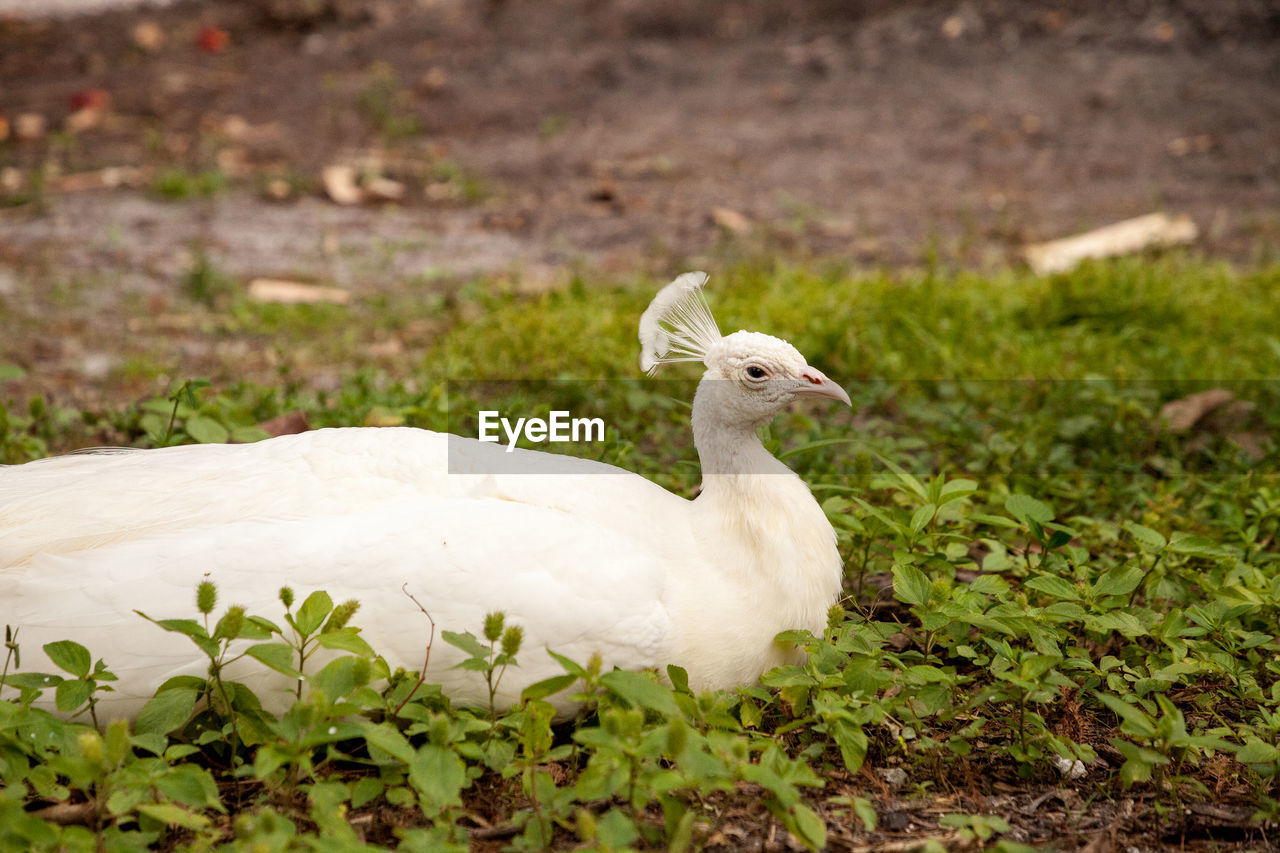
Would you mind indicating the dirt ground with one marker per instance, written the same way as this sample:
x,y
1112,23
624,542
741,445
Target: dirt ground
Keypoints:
x,y
530,138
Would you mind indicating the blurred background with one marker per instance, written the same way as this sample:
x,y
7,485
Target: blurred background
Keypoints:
x,y
161,166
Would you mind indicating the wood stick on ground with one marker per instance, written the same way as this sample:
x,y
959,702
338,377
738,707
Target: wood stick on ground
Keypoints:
x,y
1120,238
422,676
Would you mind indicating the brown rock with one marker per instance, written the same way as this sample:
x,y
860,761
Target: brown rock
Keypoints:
x,y
1181,415
29,126
731,220
148,36
340,184
290,423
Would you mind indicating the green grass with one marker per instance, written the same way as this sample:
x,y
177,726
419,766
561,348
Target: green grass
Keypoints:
x,y
1036,573
180,184
384,105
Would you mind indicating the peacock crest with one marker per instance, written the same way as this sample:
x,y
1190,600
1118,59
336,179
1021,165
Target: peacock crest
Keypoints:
x,y
677,325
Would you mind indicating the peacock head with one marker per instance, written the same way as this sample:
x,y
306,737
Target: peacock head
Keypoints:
x,y
752,375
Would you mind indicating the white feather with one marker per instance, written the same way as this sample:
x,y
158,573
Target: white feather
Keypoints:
x,y
587,558
677,325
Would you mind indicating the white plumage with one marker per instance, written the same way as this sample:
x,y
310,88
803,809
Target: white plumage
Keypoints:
x,y
585,557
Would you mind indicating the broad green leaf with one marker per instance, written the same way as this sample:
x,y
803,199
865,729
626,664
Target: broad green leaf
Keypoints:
x,y
1199,546
206,430
548,686
679,822
570,666
278,656
437,774
341,676
149,741
69,657
1134,720
909,482
993,520
467,642
1149,539
1054,586
1139,763
190,785
615,830
1121,621
154,425
922,516
1033,667
32,680
768,778
881,516
852,741
809,827
266,625
958,488
248,434
1057,540
641,691
1026,508
171,815
388,739
866,813
347,640
190,628
313,612
71,694
268,760
1256,752
366,790
166,711
1120,580
328,810
911,585
998,560
989,585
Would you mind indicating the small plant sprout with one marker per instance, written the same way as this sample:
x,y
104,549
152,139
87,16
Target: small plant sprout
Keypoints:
x,y
316,618
491,661
975,827
234,624
1036,573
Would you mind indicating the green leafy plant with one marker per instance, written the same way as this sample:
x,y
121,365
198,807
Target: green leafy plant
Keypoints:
x,y
490,661
1158,742
976,827
1042,588
183,417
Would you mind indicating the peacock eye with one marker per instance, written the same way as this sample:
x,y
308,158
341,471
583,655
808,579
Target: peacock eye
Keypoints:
x,y
755,371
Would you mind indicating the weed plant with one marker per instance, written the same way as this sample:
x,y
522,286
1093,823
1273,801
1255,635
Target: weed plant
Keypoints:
x,y
1044,588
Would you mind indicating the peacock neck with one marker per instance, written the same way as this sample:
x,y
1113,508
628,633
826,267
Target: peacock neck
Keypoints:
x,y
763,520
730,452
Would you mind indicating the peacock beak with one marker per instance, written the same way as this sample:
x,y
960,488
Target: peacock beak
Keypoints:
x,y
814,383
